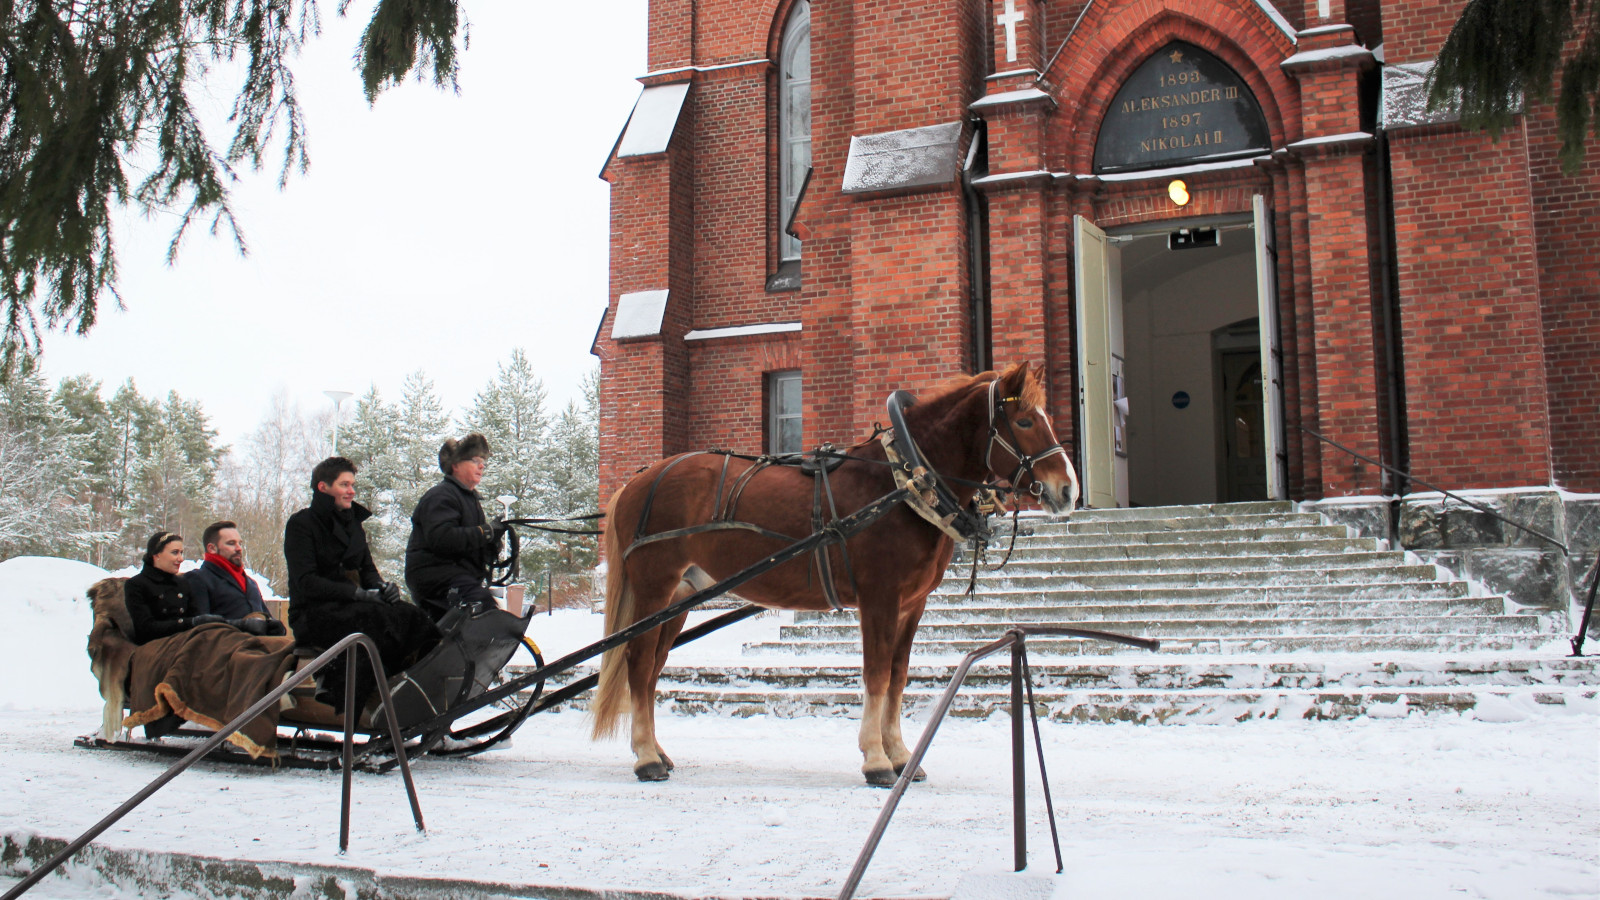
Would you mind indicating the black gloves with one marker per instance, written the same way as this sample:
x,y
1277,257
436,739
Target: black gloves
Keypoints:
x,y
388,592
206,619
499,527
252,625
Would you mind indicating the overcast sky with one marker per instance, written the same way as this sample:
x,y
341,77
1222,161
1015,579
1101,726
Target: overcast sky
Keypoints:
x,y
434,230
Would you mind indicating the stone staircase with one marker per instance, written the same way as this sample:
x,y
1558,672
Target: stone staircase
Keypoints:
x,y
1262,611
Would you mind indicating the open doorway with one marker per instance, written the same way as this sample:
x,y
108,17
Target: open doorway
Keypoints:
x,y
1178,362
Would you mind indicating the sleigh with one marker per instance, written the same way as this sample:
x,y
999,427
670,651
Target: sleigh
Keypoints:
x,y
475,647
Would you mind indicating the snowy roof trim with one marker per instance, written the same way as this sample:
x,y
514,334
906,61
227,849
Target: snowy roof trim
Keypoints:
x,y
1180,171
1311,57
1349,137
654,117
1009,177
639,314
732,65
711,334
909,158
1278,20
1024,95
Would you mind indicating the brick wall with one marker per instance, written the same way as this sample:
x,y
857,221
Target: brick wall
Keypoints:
x,y
1499,308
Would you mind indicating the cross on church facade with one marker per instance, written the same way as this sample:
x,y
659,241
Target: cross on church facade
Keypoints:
x,y
1009,20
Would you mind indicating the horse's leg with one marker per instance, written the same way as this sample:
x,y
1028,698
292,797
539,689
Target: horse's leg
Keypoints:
x,y
644,659
877,653
694,579
894,744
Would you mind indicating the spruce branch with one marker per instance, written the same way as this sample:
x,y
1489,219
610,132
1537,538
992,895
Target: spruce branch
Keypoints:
x,y
1502,51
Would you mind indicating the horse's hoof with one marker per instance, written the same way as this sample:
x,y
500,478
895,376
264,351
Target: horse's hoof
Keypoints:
x,y
918,776
652,772
667,761
881,777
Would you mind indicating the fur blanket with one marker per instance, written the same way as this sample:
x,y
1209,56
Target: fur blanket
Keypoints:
x,y
206,675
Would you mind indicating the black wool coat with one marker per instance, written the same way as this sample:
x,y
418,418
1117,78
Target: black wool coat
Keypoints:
x,y
328,558
159,604
217,593
450,536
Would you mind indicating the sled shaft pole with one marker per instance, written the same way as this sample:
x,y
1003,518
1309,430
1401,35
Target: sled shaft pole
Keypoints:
x,y
1019,796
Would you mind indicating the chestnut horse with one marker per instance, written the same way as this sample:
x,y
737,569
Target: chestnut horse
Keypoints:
x,y
985,427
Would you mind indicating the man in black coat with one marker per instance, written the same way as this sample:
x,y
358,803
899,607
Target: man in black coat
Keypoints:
x,y
222,587
335,589
453,545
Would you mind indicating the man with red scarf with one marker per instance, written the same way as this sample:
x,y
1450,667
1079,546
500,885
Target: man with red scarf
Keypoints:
x,y
222,588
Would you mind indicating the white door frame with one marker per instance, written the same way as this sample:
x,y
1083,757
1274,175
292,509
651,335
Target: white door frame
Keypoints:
x,y
1271,349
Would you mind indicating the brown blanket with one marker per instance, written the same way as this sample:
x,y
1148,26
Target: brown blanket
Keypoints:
x,y
207,675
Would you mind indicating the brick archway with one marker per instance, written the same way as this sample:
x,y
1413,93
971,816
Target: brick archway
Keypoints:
x,y
1108,48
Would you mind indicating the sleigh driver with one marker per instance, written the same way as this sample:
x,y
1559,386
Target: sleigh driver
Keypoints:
x,y
453,544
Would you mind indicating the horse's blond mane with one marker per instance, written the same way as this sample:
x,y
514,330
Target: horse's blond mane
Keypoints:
x,y
1032,395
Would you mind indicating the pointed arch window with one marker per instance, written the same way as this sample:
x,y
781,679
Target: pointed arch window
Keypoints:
x,y
794,121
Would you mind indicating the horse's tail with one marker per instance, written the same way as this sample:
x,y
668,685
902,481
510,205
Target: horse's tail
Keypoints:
x,y
611,699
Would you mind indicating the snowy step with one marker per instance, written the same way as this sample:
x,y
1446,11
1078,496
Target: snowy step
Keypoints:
x,y
1154,672
1209,627
1140,513
1101,546
1239,559
1200,577
950,599
1155,693
1276,608
1316,642
1082,523
1028,556
1163,707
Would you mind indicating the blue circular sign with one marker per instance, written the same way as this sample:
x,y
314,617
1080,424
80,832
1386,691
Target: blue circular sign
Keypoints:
x,y
1180,399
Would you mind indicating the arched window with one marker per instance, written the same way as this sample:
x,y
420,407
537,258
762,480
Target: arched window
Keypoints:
x,y
794,120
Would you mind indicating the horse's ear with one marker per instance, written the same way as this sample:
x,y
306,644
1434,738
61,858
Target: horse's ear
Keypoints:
x,y
1013,378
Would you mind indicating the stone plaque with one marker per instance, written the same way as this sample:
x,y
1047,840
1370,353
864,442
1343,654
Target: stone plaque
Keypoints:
x,y
1182,106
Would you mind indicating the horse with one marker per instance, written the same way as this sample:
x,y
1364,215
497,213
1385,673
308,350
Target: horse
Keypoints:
x,y
990,427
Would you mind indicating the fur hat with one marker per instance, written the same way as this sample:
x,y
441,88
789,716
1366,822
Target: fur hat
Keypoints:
x,y
455,451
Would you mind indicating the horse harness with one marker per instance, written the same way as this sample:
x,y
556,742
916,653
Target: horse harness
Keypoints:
x,y
929,493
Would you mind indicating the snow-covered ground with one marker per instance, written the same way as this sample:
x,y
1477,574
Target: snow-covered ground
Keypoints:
x,y
1414,807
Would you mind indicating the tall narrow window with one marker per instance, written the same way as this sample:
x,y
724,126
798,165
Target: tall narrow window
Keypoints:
x,y
794,120
783,411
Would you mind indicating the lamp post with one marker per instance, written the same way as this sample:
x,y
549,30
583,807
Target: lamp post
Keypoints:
x,y
338,398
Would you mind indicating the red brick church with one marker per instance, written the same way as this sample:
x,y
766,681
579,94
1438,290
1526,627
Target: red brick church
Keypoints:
x,y
1223,227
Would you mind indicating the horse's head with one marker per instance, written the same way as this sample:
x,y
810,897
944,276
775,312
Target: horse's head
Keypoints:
x,y
1022,442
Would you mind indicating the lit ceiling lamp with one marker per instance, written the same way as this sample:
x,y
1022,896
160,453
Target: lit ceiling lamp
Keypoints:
x,y
1179,192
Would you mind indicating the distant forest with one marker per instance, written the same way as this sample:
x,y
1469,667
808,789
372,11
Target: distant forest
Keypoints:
x,y
87,477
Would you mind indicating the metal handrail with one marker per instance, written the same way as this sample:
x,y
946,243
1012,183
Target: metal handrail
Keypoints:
x,y
1594,577
1016,638
1453,496
345,647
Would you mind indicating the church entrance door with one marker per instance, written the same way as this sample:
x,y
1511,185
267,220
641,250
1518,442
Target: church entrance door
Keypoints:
x,y
1180,391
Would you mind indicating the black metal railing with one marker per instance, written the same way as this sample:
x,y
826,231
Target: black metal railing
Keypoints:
x,y
1016,639
345,647
1594,576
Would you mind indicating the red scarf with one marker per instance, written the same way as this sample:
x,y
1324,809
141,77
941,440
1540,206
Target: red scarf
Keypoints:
x,y
230,568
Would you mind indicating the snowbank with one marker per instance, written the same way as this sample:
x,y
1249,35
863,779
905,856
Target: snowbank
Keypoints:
x,y
46,630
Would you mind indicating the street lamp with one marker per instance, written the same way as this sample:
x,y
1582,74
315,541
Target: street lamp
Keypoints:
x,y
338,398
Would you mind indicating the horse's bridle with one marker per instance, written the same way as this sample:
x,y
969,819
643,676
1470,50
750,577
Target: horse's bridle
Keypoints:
x,y
1025,462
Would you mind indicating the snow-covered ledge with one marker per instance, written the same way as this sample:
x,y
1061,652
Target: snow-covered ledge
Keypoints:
x,y
711,334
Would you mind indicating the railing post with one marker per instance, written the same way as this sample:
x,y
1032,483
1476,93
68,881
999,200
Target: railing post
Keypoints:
x,y
1019,800
350,713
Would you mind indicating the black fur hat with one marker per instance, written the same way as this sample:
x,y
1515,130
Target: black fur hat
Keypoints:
x,y
455,451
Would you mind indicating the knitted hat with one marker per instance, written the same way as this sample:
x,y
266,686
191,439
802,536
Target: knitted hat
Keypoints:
x,y
455,451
